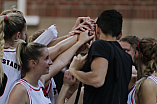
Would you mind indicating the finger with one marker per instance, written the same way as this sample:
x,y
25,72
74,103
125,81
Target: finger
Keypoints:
x,y
82,29
88,24
73,79
88,45
86,27
91,20
77,32
91,37
75,58
65,74
86,18
79,56
86,31
84,57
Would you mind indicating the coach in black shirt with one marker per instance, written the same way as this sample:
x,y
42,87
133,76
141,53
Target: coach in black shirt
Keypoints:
x,y
107,71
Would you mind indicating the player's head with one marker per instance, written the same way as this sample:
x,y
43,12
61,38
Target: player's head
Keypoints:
x,y
147,56
12,27
110,22
129,44
29,55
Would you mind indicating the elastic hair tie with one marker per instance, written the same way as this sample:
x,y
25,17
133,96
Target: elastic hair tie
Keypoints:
x,y
25,44
6,17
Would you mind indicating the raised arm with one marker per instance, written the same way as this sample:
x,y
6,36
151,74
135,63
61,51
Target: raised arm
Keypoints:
x,y
68,81
96,77
67,43
62,60
57,40
61,46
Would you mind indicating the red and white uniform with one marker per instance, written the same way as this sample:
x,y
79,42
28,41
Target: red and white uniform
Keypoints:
x,y
12,72
131,99
50,90
11,68
36,95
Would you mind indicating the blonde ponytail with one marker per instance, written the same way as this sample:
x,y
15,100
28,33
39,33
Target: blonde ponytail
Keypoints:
x,y
1,47
20,45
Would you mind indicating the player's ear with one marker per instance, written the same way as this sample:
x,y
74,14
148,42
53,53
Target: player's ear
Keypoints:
x,y
32,63
17,35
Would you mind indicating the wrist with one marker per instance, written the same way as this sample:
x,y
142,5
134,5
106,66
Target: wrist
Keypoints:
x,y
66,86
79,43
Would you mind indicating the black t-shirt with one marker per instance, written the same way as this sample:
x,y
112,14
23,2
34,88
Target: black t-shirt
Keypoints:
x,y
115,88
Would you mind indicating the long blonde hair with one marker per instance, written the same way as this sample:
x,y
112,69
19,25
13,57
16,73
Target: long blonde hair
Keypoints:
x,y
1,48
147,57
9,25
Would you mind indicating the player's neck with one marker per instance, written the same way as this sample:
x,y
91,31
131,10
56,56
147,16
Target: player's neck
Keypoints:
x,y
9,44
107,37
31,80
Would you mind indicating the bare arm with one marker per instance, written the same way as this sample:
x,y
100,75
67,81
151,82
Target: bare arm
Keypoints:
x,y
71,33
63,59
96,77
148,92
18,95
61,46
55,41
67,43
68,81
71,100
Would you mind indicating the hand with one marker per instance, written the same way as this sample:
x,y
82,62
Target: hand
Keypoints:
x,y
74,87
78,62
80,20
69,79
85,37
82,27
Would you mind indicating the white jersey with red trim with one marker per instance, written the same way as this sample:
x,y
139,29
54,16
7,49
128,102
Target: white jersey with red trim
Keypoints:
x,y
36,95
12,73
131,99
131,94
50,90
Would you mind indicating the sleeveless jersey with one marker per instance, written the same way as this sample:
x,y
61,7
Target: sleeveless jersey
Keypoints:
x,y
12,73
131,94
50,90
36,95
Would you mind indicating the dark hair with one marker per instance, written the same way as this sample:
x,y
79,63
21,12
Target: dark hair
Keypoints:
x,y
26,52
110,22
132,40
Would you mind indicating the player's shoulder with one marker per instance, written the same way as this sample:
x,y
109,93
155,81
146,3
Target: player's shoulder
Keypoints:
x,y
20,89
